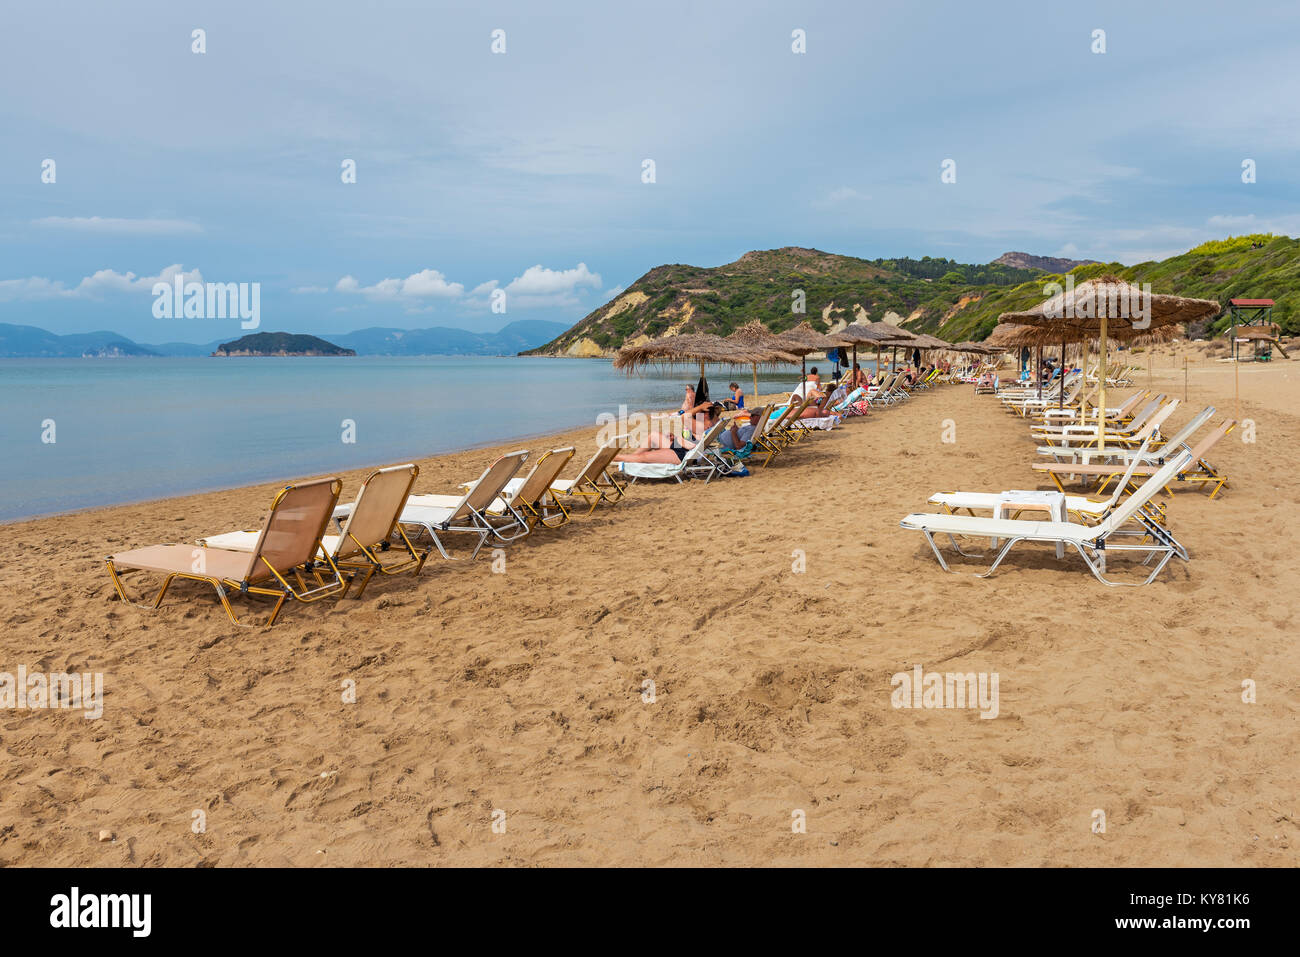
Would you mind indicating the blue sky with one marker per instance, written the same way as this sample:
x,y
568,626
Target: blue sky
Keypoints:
x,y
522,171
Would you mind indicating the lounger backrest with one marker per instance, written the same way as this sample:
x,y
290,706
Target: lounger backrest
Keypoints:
x,y
376,511
1186,432
699,448
1212,439
544,473
490,484
1131,402
294,528
1144,493
597,464
1157,420
758,418
1133,461
1147,410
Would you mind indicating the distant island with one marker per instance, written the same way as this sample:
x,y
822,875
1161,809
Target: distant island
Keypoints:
x,y
31,342
281,344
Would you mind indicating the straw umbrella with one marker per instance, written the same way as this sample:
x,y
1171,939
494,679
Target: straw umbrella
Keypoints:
x,y
754,337
890,335
803,339
863,333
687,349
1093,305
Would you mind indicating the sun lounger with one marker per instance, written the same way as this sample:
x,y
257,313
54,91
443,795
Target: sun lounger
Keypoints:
x,y
1083,437
1085,456
1088,510
287,548
1092,542
1198,470
481,511
537,495
595,483
694,464
366,533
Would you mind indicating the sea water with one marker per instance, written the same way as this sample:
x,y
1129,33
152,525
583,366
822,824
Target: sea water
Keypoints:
x,y
80,433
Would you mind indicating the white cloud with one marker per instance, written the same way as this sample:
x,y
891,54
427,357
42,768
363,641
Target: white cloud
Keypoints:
x,y
94,285
427,283
539,286
132,227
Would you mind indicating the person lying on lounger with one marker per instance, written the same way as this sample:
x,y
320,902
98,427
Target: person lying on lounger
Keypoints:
x,y
669,449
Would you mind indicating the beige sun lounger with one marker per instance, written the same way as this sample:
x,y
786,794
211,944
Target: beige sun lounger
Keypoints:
x,y
532,496
366,533
287,547
594,483
474,513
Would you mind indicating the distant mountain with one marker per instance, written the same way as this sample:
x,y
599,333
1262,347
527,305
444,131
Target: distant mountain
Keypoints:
x,y
280,344
951,300
444,341
766,284
31,342
1045,263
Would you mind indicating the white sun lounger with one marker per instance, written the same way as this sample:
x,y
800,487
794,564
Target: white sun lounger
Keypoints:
x,y
1092,542
1082,505
695,464
1118,455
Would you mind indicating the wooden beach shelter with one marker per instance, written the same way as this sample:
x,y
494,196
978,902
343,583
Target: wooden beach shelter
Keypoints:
x,y
755,337
1108,306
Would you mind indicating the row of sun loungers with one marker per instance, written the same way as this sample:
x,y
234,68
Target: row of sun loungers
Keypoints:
x,y
1136,462
312,547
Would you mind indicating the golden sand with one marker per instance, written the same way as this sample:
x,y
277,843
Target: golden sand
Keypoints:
x,y
522,692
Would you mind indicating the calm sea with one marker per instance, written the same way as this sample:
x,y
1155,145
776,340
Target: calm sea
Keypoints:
x,y
127,430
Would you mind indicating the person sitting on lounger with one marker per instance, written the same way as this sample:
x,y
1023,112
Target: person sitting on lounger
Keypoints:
x,y
859,378
737,397
690,408
734,438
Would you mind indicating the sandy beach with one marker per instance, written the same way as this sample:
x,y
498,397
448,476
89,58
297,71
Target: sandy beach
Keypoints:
x,y
521,692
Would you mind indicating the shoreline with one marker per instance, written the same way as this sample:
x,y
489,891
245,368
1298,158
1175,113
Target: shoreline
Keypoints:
x,y
493,444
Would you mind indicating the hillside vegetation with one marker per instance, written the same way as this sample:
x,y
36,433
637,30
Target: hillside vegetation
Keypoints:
x,y
952,300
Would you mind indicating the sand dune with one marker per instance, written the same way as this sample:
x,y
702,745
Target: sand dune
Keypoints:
x,y
522,691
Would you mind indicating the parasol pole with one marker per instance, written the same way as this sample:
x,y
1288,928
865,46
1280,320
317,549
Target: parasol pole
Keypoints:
x,y
755,383
1101,392
1038,373
1060,403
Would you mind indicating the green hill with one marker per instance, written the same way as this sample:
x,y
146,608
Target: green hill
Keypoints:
x,y
954,301
280,344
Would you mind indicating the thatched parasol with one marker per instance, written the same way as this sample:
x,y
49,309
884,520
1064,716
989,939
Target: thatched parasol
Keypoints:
x,y
803,339
891,336
688,349
864,333
755,337
1095,305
